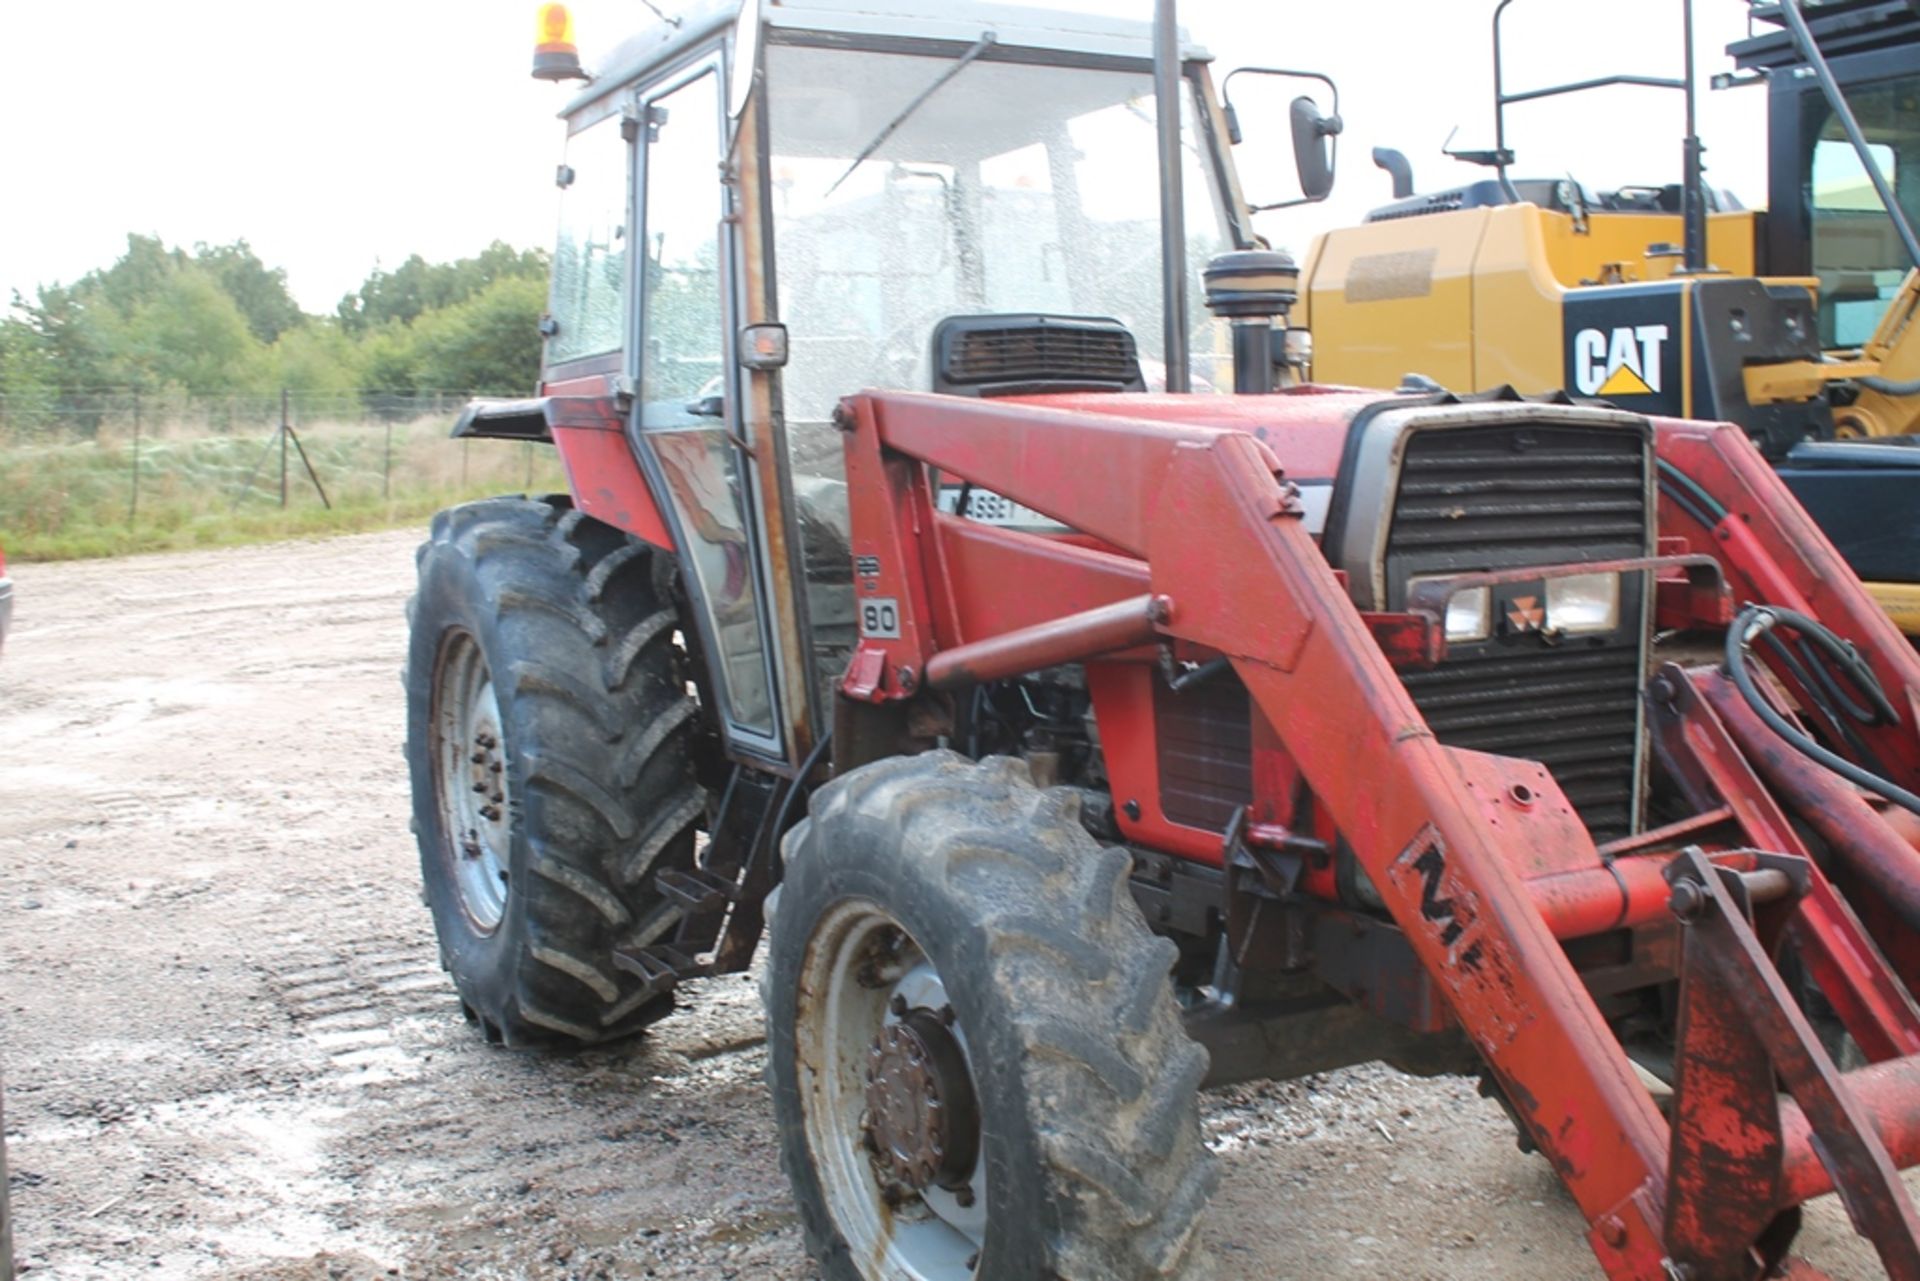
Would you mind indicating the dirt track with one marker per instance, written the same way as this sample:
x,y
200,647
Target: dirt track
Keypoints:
x,y
229,1051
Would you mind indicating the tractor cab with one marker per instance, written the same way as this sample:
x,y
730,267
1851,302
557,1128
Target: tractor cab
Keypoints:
x,y
763,211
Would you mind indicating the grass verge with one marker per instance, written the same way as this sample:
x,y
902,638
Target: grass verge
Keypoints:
x,y
67,499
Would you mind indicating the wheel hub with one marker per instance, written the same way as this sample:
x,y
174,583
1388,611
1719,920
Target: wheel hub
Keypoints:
x,y
473,790
922,1122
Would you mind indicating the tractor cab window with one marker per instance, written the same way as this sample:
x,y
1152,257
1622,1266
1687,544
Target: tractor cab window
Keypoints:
x,y
1856,252
590,260
1011,187
1005,187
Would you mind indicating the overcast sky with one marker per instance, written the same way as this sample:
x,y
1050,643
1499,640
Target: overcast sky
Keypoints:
x,y
346,134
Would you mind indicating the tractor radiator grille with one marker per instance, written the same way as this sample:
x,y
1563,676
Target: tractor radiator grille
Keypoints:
x,y
1532,495
1023,354
1205,741
1576,711
1490,498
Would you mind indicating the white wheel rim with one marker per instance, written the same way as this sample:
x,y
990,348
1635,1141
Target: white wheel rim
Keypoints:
x,y
469,755
849,981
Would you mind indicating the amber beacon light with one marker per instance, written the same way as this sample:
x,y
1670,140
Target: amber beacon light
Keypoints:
x,y
555,56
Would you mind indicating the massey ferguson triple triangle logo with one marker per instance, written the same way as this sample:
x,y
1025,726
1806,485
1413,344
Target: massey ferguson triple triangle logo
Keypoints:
x,y
1525,614
1618,362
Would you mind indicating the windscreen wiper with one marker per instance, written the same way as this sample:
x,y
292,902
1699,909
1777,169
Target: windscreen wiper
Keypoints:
x,y
986,41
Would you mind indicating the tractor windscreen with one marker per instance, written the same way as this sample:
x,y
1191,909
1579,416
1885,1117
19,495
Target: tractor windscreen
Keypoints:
x,y
1012,187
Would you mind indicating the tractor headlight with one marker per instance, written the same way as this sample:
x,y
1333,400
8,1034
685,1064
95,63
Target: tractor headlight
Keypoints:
x,y
1469,612
1584,603
1470,615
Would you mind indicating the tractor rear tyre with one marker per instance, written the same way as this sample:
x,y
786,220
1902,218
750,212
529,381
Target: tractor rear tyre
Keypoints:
x,y
548,730
978,1069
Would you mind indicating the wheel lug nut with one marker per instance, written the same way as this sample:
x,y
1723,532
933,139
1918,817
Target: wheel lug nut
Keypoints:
x,y
481,788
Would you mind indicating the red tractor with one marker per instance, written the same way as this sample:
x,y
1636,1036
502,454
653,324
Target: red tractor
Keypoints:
x,y
1076,746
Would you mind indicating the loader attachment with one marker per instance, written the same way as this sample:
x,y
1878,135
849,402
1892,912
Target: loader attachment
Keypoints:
x,y
1742,1037
1480,863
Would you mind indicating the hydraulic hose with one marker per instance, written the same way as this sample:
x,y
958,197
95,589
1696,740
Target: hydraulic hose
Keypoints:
x,y
1754,622
799,784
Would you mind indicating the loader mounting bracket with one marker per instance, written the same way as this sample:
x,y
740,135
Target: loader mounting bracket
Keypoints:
x,y
1741,1039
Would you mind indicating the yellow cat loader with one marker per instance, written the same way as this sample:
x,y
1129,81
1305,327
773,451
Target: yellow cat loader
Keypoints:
x,y
1801,323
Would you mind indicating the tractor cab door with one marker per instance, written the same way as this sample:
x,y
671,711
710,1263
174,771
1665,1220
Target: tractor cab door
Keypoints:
x,y
686,418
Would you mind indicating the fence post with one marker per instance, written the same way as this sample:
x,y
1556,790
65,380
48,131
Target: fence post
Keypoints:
x,y
133,501
386,465
283,448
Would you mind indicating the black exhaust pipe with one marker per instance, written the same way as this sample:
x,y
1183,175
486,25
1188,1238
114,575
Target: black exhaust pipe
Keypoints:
x,y
1398,167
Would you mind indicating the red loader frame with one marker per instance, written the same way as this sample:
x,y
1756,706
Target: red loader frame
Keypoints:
x,y
1192,537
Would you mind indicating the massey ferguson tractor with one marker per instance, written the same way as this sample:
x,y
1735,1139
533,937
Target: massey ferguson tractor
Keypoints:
x,y
1076,746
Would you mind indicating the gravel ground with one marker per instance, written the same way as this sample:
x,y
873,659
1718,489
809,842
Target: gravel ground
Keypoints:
x,y
229,1051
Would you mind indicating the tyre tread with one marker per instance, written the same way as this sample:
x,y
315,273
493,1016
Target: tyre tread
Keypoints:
x,y
593,681
1100,1036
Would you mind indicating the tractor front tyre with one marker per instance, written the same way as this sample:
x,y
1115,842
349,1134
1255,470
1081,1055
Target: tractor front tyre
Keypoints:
x,y
977,1066
548,732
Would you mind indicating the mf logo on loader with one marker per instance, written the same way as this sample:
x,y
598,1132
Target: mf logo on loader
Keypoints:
x,y
1623,361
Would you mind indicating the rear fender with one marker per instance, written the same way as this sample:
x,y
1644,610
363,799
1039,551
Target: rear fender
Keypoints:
x,y
589,430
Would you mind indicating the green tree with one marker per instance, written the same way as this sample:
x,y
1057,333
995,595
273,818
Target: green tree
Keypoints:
x,y
317,356
259,290
389,359
29,381
417,286
488,344
134,278
189,333
69,336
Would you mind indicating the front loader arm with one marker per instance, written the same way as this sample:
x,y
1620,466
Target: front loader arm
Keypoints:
x,y
1222,539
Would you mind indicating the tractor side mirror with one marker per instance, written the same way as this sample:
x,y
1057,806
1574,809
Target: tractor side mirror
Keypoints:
x,y
1316,146
1313,136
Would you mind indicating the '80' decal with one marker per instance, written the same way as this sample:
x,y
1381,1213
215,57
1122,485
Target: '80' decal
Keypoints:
x,y
880,618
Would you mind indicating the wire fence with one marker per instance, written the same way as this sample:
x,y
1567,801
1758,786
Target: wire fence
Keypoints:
x,y
114,412
105,470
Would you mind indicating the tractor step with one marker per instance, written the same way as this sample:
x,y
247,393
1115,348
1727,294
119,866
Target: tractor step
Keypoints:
x,y
660,966
699,892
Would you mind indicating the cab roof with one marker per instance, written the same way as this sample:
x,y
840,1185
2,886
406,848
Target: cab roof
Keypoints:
x,y
861,21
